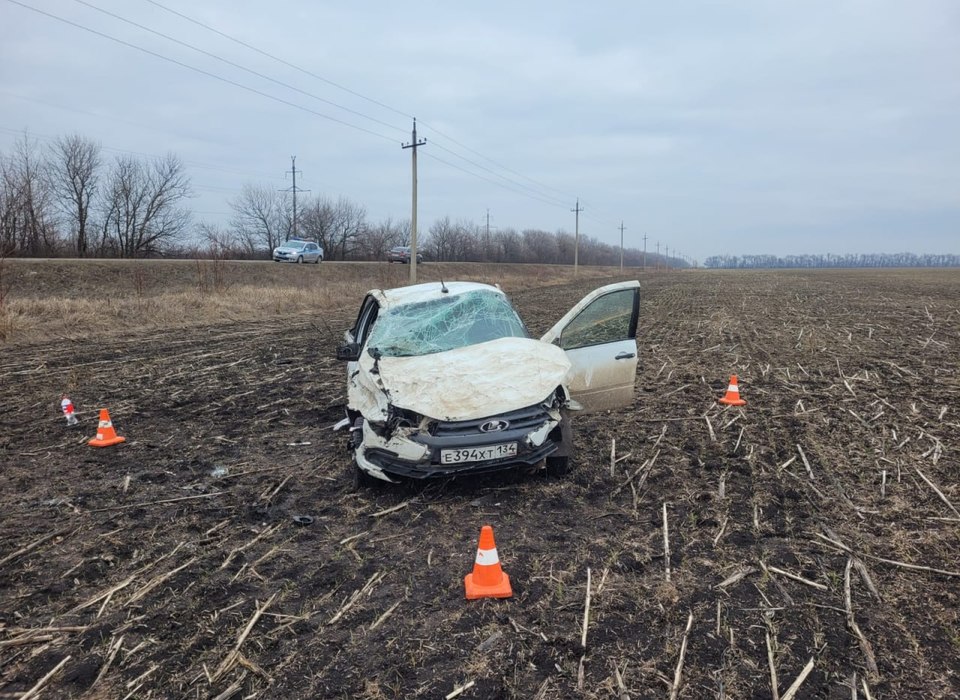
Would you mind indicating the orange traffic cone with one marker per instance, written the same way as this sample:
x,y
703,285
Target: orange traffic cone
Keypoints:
x,y
487,580
732,397
106,435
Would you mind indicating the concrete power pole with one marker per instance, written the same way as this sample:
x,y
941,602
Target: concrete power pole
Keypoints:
x,y
658,256
621,246
413,145
576,240
666,254
644,252
293,171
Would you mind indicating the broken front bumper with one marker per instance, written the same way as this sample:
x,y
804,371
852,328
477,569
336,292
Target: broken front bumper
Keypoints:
x,y
417,455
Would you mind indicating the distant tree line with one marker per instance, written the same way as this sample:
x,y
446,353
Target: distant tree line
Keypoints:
x,y
66,199
263,218
830,260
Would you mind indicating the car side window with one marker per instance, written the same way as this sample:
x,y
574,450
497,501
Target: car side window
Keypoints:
x,y
607,320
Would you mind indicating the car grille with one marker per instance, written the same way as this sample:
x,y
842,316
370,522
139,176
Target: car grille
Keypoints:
x,y
525,419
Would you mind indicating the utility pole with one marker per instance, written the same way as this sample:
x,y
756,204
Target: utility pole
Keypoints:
x,y
576,240
658,256
293,171
644,252
488,224
413,216
621,245
666,261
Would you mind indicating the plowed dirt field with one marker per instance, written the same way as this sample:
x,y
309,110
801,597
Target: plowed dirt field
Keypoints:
x,y
813,534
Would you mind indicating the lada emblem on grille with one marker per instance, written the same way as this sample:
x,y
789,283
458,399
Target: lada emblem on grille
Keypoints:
x,y
494,426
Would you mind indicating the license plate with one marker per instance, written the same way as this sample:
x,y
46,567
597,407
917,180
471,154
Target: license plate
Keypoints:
x,y
478,454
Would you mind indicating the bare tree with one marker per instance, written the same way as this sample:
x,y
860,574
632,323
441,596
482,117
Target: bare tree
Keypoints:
x,y
11,209
317,220
339,228
27,221
540,246
73,172
349,226
511,245
261,217
379,238
142,209
465,244
439,240
216,241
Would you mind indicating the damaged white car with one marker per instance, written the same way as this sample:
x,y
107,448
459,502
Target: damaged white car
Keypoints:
x,y
444,380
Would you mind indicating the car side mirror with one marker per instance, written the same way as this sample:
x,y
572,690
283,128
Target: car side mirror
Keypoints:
x,y
348,352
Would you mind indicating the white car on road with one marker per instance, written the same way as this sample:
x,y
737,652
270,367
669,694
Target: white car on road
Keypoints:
x,y
297,250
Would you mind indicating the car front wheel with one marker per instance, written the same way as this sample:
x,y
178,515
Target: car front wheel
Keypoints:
x,y
362,480
300,260
558,466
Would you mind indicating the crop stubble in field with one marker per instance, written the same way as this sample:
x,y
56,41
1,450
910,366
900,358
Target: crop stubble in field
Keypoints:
x,y
159,579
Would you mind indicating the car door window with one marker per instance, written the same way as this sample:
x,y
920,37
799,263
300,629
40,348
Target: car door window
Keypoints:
x,y
607,320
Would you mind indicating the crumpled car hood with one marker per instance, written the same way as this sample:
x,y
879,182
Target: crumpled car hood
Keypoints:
x,y
462,384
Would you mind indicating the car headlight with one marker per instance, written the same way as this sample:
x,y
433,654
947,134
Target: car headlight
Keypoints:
x,y
402,418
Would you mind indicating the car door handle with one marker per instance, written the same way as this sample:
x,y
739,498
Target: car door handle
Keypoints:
x,y
625,356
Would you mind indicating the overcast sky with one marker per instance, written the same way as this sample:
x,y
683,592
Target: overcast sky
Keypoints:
x,y
747,127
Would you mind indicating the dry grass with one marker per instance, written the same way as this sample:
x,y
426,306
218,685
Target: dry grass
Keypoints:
x,y
73,299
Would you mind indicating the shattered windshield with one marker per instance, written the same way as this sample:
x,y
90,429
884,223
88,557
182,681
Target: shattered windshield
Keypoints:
x,y
445,324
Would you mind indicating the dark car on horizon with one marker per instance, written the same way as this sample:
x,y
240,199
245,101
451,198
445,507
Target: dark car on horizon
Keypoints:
x,y
401,254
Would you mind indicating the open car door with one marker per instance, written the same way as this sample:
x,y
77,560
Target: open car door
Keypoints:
x,y
599,337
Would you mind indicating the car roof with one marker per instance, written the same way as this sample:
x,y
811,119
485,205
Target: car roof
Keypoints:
x,y
388,298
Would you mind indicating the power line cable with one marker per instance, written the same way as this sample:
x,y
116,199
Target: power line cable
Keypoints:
x,y
605,222
536,196
357,94
258,92
191,163
496,174
238,66
278,59
204,72
490,160
493,182
100,115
